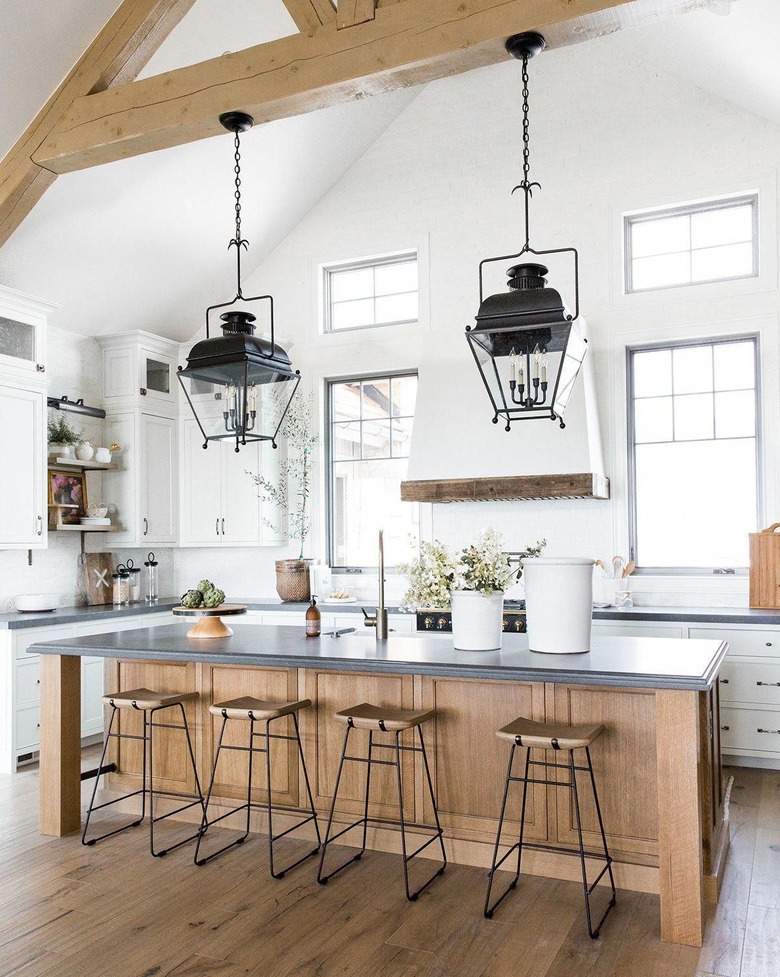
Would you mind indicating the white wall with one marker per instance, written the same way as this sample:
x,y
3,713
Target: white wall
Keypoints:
x,y
608,135
73,367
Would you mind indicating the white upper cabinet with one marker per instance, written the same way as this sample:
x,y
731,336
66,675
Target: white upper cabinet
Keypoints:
x,y
23,514
140,368
219,501
22,335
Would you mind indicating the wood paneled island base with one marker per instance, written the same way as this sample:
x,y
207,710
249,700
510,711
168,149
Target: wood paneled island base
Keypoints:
x,y
657,764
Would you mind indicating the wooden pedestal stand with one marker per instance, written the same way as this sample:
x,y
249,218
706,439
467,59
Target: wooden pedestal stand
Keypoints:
x,y
210,624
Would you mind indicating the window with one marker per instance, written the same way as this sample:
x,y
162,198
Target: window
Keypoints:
x,y
712,241
693,462
371,292
370,428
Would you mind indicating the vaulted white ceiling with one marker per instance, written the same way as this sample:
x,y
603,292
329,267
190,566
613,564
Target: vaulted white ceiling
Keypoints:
x,y
142,243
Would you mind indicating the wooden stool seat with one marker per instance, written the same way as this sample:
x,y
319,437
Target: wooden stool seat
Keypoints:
x,y
146,699
367,716
549,736
249,708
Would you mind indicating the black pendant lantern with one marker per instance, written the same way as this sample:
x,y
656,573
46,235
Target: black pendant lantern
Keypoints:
x,y
525,342
252,376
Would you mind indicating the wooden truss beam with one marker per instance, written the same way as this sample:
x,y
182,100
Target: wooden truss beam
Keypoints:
x,y
310,15
404,44
118,53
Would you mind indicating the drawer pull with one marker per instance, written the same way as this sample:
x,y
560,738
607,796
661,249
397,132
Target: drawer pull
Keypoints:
x,y
769,644
776,732
767,683
724,681
726,728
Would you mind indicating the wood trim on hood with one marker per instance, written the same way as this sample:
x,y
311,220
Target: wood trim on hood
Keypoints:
x,y
582,485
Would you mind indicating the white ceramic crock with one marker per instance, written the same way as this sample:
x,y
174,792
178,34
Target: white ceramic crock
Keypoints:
x,y
559,604
84,451
477,620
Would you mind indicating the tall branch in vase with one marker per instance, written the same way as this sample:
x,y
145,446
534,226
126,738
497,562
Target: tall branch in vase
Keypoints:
x,y
291,493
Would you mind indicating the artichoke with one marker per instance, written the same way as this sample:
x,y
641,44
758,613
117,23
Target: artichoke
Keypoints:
x,y
214,597
192,599
205,586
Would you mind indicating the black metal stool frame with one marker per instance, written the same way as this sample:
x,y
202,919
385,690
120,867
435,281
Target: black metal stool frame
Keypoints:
x,y
147,738
520,844
366,820
268,806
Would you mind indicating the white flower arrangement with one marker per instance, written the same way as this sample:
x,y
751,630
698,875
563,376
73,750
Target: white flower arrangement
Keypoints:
x,y
483,567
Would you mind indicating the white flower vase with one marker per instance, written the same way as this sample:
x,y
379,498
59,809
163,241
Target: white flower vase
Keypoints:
x,y
477,620
559,604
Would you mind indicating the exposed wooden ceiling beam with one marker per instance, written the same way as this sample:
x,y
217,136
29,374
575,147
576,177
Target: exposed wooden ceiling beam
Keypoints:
x,y
406,43
310,15
121,49
351,12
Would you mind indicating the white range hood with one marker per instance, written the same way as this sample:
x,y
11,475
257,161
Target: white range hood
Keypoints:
x,y
457,453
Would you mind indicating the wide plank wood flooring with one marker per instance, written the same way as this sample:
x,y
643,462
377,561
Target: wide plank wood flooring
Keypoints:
x,y
113,911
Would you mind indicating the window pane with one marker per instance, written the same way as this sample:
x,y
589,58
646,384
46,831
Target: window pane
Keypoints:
x,y
675,516
401,276
358,283
402,436
346,441
404,395
735,414
693,417
653,419
652,373
375,398
692,368
668,269
397,308
726,261
376,439
724,226
660,236
348,315
735,366
346,401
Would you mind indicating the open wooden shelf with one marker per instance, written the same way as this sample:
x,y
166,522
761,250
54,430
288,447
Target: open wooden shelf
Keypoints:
x,y
78,528
86,466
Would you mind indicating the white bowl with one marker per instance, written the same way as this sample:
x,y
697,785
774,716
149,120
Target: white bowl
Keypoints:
x,y
37,602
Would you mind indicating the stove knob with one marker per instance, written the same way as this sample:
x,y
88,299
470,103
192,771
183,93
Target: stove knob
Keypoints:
x,y
505,624
428,623
519,625
442,623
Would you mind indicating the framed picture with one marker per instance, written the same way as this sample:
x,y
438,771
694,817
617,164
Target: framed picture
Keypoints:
x,y
67,491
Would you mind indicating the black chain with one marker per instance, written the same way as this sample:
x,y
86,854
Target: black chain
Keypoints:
x,y
526,137
237,169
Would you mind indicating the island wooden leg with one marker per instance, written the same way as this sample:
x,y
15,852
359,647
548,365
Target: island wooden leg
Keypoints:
x,y
679,818
60,767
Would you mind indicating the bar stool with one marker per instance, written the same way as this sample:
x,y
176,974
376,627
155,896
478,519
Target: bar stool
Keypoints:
x,y
149,703
543,736
378,718
247,709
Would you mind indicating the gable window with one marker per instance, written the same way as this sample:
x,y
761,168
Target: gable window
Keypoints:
x,y
371,292
369,431
693,453
694,244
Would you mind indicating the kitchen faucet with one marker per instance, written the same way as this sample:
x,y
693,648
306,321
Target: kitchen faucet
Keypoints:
x,y
378,619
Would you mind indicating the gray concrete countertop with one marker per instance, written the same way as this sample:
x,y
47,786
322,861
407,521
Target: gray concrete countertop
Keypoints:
x,y
81,614
655,663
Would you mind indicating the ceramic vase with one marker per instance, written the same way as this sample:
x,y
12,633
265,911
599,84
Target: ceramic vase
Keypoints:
x,y
477,620
84,451
558,604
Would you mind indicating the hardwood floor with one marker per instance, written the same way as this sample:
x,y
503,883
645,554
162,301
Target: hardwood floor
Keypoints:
x,y
113,911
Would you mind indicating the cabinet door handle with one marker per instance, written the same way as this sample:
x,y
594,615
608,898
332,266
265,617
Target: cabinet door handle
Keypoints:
x,y
40,367
216,527
223,527
142,391
775,732
767,683
146,526
40,525
725,727
769,644
725,681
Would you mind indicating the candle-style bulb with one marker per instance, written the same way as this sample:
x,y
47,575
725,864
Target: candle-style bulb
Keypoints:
x,y
512,361
544,366
535,366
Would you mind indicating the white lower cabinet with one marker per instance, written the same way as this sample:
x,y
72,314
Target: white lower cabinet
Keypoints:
x,y
640,629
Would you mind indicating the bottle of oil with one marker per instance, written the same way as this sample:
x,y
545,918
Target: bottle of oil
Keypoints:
x,y
313,620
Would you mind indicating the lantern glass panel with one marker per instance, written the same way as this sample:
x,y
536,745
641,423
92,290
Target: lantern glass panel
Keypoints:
x,y
572,361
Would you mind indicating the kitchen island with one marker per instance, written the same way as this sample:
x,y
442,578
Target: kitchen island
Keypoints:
x,y
657,765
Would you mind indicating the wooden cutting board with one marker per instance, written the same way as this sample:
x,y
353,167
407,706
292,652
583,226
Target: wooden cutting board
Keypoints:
x,y
97,568
765,567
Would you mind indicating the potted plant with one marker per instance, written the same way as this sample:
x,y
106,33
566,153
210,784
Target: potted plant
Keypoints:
x,y
291,496
472,584
62,437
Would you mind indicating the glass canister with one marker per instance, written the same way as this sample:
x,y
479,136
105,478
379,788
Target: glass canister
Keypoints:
x,y
121,585
135,581
151,578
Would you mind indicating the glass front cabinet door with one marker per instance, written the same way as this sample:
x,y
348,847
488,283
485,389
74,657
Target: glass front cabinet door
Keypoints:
x,y
22,335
